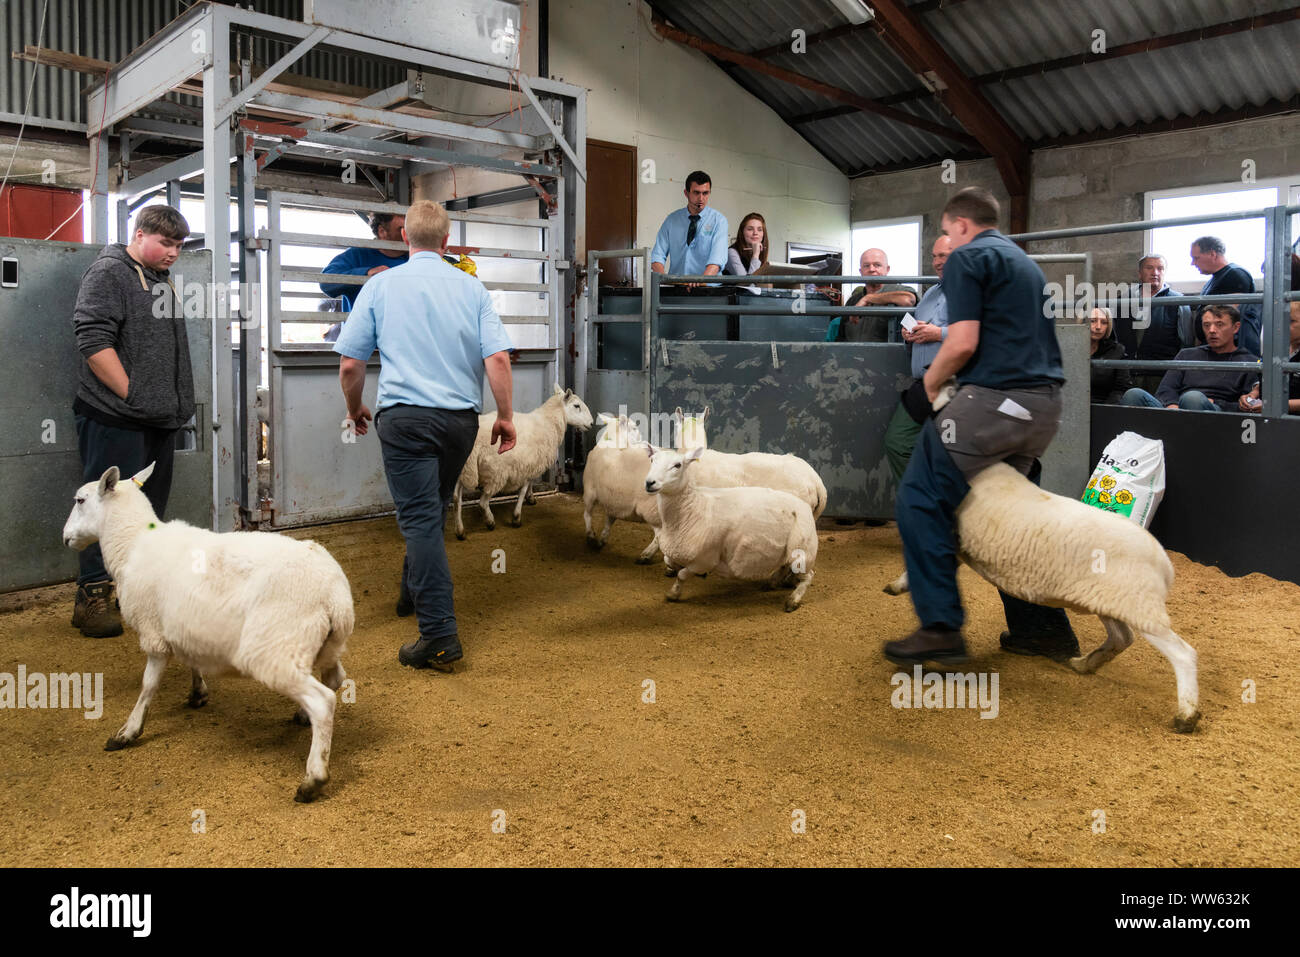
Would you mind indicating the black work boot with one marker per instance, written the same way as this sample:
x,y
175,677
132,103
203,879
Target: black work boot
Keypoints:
x,y
942,645
435,653
1059,648
95,611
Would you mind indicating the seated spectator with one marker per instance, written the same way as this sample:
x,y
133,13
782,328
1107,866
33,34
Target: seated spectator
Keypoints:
x,y
873,262
1108,385
748,254
1205,390
1293,395
361,261
1209,255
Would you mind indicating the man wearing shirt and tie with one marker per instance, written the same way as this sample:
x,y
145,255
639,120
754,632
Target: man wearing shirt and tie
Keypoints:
x,y
693,239
437,336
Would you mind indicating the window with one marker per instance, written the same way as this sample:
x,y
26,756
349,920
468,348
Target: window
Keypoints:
x,y
1244,238
899,238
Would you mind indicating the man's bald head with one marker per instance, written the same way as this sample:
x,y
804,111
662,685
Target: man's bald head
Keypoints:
x,y
939,254
873,262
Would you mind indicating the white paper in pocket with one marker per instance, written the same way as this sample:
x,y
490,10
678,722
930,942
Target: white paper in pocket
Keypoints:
x,y
1015,410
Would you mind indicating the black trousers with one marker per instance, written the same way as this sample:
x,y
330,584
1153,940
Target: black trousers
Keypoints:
x,y
103,446
424,452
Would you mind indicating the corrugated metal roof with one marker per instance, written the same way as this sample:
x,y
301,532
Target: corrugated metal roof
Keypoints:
x,y
1234,71
109,30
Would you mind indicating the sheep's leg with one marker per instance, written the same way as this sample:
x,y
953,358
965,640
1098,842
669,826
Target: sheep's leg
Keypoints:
x,y
518,517
332,676
317,701
796,597
648,555
778,577
898,586
484,503
460,523
675,593
198,690
1118,637
529,497
153,672
1183,657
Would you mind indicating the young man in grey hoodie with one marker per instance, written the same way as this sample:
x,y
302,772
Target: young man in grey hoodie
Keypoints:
x,y
136,387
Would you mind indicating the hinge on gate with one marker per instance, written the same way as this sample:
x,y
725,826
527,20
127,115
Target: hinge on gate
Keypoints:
x,y
776,363
663,350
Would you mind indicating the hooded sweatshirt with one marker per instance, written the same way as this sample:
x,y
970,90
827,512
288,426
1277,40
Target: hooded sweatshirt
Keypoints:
x,y
126,306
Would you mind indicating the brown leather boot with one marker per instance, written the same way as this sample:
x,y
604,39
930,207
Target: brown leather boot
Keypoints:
x,y
942,645
96,612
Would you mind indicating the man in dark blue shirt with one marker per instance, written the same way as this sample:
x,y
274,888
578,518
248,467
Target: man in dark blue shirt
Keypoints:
x,y
366,261
1002,350
1209,255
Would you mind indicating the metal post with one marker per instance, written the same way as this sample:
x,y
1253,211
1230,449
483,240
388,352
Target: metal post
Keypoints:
x,y
651,334
1274,314
123,220
174,193
216,227
99,145
250,331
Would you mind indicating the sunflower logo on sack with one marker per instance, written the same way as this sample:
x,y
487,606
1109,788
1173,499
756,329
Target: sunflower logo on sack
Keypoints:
x,y
1124,497
1108,482
1092,483
1104,498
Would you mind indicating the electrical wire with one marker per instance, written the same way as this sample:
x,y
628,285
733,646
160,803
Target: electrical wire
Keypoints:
x,y
31,88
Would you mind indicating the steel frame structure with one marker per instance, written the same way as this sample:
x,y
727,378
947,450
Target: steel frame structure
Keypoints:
x,y
199,43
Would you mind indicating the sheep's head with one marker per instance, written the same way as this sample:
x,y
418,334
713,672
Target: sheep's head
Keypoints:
x,y
668,468
690,434
618,432
84,523
576,412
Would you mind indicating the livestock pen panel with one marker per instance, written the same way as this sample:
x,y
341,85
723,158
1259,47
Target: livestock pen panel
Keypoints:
x,y
39,464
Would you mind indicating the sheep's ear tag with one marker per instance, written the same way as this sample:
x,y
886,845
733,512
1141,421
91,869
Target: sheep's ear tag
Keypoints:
x,y
694,453
138,484
153,524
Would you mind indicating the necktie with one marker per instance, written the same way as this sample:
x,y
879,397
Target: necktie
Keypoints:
x,y
690,230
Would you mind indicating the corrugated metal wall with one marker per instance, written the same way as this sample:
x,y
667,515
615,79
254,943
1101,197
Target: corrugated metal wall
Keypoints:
x,y
111,29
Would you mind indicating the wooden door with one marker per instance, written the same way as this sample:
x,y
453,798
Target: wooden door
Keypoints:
x,y
611,207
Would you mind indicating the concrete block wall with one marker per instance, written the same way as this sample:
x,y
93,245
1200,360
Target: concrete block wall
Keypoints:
x,y
1093,183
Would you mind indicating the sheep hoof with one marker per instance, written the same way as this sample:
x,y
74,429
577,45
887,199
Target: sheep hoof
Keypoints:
x,y
491,526
791,604
1186,725
300,718
197,699
672,597
1080,665
460,536
516,521
309,791
643,560
530,499
116,743
594,543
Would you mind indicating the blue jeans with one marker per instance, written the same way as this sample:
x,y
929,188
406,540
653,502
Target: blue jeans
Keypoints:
x,y
102,446
1192,400
424,451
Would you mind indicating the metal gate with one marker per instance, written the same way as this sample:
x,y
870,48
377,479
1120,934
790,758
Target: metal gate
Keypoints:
x,y
318,472
39,464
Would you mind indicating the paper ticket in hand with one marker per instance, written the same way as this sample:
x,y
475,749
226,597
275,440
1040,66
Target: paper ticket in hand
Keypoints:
x,y
908,323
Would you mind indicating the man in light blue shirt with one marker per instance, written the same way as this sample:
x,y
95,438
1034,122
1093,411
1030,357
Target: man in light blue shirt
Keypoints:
x,y
693,239
923,342
437,334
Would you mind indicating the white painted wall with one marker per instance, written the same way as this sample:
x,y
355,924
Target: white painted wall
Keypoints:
x,y
682,113
679,112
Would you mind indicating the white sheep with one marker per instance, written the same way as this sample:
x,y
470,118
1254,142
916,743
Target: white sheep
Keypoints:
x,y
615,481
753,534
538,435
1052,550
269,607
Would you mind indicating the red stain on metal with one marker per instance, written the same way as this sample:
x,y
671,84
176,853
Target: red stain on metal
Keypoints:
x,y
269,128
463,250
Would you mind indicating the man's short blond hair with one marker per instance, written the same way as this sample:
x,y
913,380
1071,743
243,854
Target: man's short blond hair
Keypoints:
x,y
427,224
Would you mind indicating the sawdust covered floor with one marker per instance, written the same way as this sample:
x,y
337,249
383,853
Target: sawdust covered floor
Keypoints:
x,y
756,715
